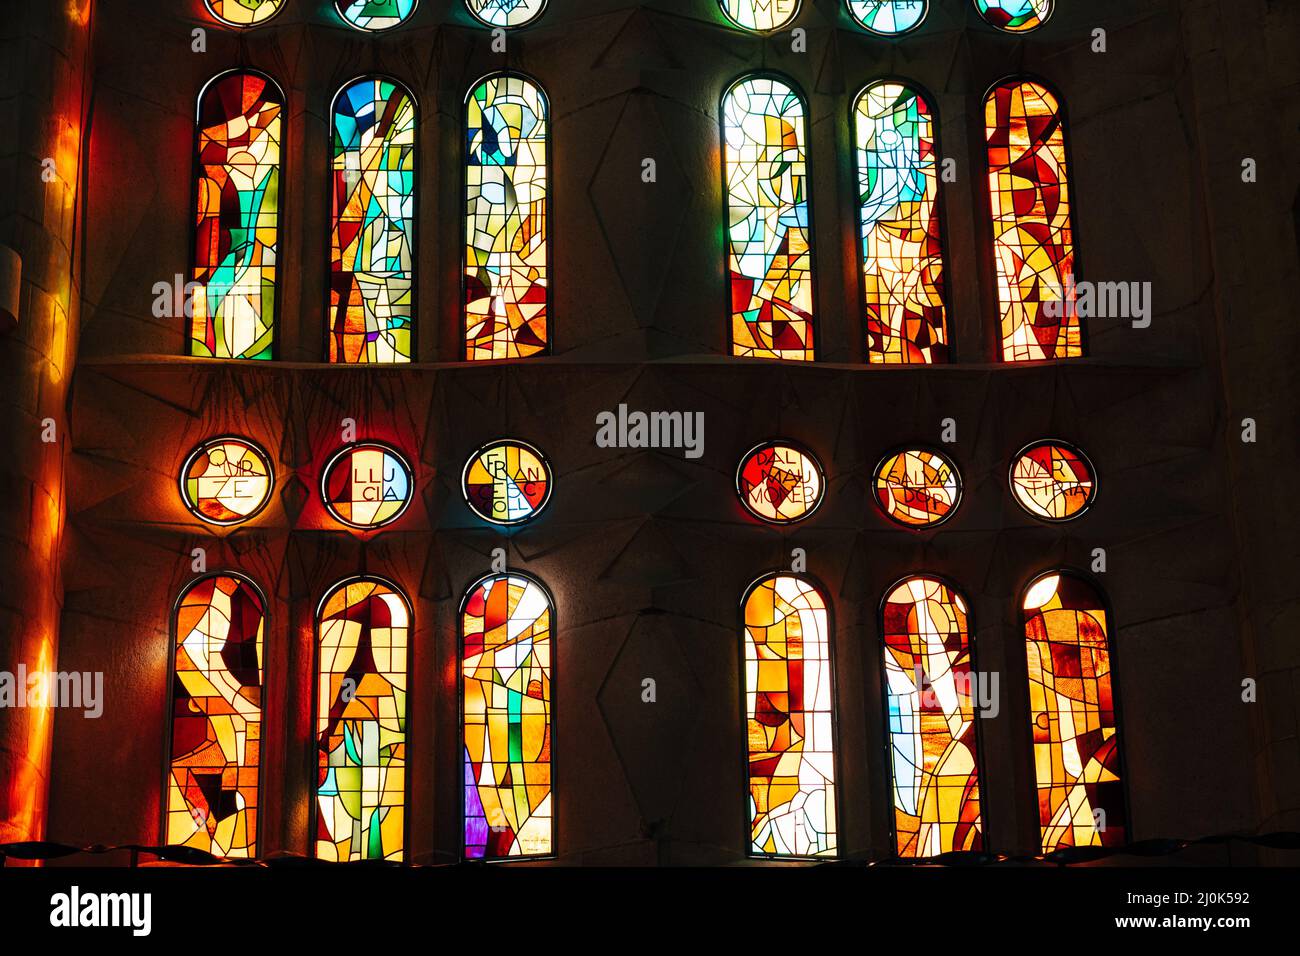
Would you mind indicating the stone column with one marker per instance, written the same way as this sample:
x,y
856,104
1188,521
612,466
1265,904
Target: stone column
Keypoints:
x,y
44,50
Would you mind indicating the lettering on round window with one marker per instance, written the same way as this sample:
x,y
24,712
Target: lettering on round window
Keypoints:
x,y
367,485
780,482
226,481
507,482
1053,481
918,488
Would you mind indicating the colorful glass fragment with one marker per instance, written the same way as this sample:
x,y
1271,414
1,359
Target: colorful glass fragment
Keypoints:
x,y
1032,235
769,248
506,675
367,485
790,713
212,782
779,482
237,234
1072,715
507,251
363,632
930,700
902,249
372,247
918,488
1053,481
760,16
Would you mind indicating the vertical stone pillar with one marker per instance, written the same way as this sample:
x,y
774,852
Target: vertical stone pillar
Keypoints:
x,y
44,52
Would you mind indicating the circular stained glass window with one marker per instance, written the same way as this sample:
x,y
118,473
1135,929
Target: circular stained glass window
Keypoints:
x,y
367,485
506,13
760,16
244,13
889,17
1053,481
918,488
780,482
1016,16
226,481
374,15
507,482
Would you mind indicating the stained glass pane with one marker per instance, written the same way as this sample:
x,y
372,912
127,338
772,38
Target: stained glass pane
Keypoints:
x,y
1072,715
1015,16
507,482
237,232
918,488
902,250
212,782
790,712
363,629
889,17
760,16
770,252
930,698
507,252
226,481
374,15
372,249
367,485
506,694
506,13
244,13
1032,235
779,482
1053,481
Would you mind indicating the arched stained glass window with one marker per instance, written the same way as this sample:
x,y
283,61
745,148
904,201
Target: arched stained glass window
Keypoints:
x,y
372,239
244,13
760,16
1015,16
765,164
902,249
375,15
507,249
237,218
889,17
1072,714
1033,239
930,703
363,631
216,705
790,714
506,13
507,622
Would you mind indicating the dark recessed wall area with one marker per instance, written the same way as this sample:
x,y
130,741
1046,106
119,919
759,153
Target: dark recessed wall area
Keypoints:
x,y
647,553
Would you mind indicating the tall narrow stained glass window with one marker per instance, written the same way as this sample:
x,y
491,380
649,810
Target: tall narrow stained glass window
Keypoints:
x,y
930,703
506,680
1072,714
1033,239
765,165
507,248
216,734
372,239
902,248
237,217
363,631
790,716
